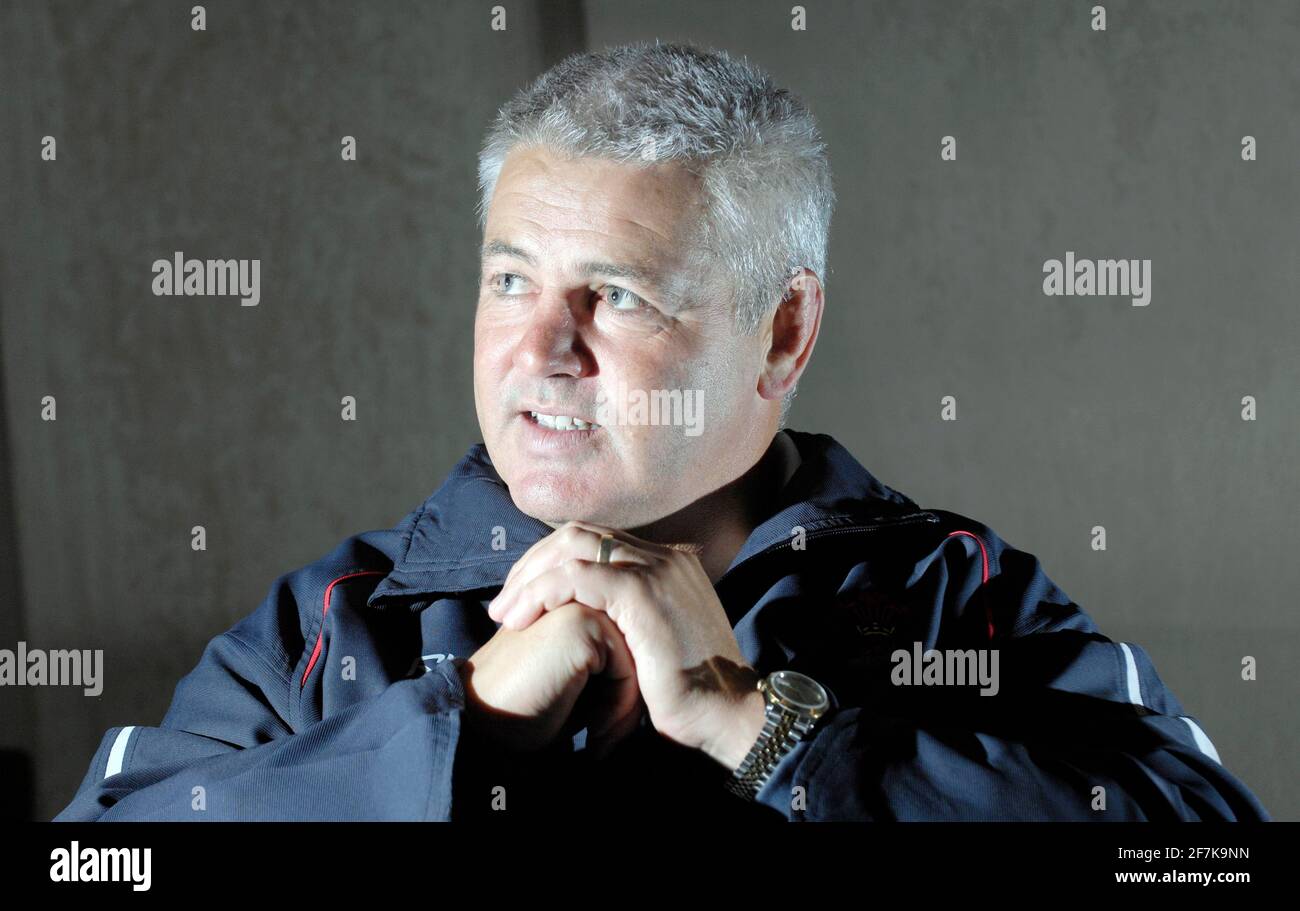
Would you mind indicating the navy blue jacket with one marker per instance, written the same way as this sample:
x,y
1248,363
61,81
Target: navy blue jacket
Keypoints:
x,y
339,697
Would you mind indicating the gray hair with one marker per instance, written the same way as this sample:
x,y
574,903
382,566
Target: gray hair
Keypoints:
x,y
765,174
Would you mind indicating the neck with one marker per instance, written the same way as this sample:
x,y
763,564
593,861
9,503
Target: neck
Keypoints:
x,y
716,526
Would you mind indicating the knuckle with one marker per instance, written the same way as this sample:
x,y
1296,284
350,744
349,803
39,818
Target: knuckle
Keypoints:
x,y
571,616
581,619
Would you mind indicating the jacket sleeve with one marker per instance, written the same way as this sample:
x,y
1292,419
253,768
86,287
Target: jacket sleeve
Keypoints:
x,y
1080,727
229,747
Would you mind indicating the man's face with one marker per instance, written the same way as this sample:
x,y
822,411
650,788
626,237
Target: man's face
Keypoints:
x,y
587,306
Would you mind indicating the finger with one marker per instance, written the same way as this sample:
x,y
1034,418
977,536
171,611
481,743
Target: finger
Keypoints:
x,y
574,541
620,716
592,584
496,606
625,537
548,552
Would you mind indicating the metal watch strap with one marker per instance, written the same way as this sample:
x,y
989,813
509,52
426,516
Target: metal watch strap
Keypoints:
x,y
781,731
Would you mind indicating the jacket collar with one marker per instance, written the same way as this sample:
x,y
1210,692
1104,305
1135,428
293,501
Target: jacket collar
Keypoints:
x,y
450,550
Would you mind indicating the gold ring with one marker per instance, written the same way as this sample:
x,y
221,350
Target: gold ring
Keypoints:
x,y
606,548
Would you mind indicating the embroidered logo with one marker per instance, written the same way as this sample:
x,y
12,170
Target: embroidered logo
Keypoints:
x,y
875,617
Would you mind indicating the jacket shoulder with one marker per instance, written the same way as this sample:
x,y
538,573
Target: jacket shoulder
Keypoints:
x,y
1009,582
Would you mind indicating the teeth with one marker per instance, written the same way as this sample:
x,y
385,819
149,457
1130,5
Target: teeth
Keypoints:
x,y
561,421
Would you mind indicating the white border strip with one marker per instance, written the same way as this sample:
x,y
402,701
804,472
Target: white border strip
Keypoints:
x,y
1134,687
1202,741
1135,697
118,753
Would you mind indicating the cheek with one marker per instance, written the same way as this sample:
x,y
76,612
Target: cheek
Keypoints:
x,y
492,347
723,383
715,373
491,370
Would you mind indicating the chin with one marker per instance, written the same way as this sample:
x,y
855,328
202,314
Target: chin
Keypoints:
x,y
554,498
556,505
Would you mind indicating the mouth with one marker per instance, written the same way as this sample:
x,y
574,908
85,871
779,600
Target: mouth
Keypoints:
x,y
558,430
562,423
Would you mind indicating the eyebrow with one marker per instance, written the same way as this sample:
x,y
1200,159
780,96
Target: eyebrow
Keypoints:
x,y
591,267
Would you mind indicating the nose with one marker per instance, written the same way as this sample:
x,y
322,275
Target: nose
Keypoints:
x,y
552,342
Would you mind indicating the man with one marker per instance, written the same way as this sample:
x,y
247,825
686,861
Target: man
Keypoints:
x,y
639,595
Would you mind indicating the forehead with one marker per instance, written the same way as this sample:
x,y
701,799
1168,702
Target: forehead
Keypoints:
x,y
553,205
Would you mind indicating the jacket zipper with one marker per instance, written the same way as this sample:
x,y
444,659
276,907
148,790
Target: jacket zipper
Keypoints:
x,y
912,518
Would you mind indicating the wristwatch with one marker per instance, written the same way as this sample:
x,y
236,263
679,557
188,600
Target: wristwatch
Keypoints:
x,y
795,702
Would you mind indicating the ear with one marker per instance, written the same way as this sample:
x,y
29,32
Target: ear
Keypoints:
x,y
792,333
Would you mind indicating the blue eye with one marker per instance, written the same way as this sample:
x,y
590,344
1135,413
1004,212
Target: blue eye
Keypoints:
x,y
497,281
623,296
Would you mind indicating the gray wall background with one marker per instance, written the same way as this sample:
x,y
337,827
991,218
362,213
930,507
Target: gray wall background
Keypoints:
x,y
1072,412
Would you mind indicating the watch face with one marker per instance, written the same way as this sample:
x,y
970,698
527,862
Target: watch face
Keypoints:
x,y
799,690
